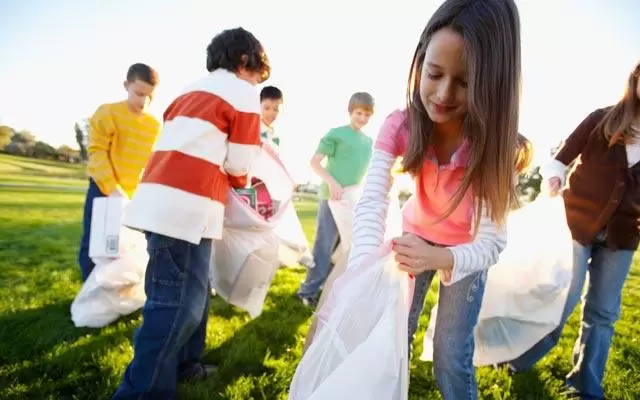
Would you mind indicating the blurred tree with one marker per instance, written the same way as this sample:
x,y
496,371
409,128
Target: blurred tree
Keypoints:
x,y
6,133
81,138
45,151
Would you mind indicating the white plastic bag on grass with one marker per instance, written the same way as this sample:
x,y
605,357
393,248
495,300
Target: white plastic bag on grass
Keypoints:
x,y
243,265
244,262
360,348
115,287
294,245
527,289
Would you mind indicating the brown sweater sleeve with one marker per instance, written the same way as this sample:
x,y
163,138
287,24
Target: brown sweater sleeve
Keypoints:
x,y
576,142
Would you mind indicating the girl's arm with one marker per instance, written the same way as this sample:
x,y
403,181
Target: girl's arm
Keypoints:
x,y
572,147
370,215
478,255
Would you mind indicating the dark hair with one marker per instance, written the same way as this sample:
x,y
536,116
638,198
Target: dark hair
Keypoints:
x,y
491,32
237,48
143,72
270,92
616,124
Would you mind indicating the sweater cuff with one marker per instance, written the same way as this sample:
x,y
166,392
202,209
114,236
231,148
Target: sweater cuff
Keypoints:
x,y
554,169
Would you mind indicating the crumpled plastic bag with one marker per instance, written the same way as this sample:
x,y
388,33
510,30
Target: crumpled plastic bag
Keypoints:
x,y
115,287
527,289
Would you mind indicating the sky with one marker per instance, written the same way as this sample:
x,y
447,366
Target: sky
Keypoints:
x,y
62,59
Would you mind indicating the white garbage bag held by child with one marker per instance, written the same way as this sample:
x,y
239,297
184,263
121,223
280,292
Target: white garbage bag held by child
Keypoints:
x,y
245,261
527,289
294,245
360,348
115,287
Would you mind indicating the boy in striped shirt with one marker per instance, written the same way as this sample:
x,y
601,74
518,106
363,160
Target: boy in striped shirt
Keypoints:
x,y
121,136
211,134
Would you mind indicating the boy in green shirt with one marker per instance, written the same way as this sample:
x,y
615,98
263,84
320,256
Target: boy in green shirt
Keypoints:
x,y
348,152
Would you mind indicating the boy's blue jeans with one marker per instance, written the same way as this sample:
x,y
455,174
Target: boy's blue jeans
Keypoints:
x,y
326,238
453,347
86,265
608,270
172,335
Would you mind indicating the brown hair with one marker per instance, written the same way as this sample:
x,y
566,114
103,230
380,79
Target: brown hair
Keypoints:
x,y
615,126
144,73
361,100
524,154
491,31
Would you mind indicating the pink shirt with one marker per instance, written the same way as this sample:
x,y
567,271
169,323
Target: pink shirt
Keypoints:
x,y
434,190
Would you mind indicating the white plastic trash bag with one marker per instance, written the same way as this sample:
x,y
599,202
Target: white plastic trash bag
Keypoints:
x,y
360,347
269,169
115,287
527,289
244,262
294,245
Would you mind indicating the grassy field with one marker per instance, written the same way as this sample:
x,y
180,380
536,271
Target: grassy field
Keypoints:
x,y
42,355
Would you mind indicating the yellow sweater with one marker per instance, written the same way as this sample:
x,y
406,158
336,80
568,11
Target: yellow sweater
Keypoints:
x,y
120,144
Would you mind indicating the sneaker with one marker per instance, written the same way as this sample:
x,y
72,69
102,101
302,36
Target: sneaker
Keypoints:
x,y
510,368
198,372
308,301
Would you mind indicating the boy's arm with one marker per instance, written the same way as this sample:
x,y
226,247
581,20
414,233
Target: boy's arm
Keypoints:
x,y
316,165
101,133
244,143
326,148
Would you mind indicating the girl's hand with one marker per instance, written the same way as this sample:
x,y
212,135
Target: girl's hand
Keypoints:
x,y
554,186
415,256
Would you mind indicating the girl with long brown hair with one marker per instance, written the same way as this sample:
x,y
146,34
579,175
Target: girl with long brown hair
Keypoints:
x,y
602,200
458,139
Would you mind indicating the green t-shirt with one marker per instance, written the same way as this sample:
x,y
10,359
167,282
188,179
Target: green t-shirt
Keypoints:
x,y
348,154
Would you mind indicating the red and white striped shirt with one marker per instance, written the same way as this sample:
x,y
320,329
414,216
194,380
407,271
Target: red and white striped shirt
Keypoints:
x,y
210,136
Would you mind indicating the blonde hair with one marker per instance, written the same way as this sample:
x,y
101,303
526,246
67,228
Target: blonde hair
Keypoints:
x,y
616,124
524,154
491,32
361,100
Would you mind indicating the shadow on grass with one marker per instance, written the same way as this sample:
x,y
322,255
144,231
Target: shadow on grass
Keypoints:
x,y
246,355
43,355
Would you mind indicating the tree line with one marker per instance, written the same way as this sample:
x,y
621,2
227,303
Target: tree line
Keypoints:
x,y
26,144
23,143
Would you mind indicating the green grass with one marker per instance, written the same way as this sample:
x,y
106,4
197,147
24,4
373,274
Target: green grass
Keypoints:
x,y
42,355
33,172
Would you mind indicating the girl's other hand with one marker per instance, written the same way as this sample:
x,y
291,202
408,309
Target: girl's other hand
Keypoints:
x,y
554,184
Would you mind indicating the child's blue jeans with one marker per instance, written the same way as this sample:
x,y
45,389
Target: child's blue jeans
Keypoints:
x,y
326,238
458,310
172,335
86,265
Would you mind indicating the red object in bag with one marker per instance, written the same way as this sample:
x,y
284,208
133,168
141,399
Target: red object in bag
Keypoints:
x,y
264,202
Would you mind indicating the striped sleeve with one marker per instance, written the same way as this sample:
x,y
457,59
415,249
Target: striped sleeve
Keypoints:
x,y
478,255
101,133
244,143
369,221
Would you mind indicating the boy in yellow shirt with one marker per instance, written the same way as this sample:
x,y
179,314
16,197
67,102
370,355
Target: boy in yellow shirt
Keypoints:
x,y
121,137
